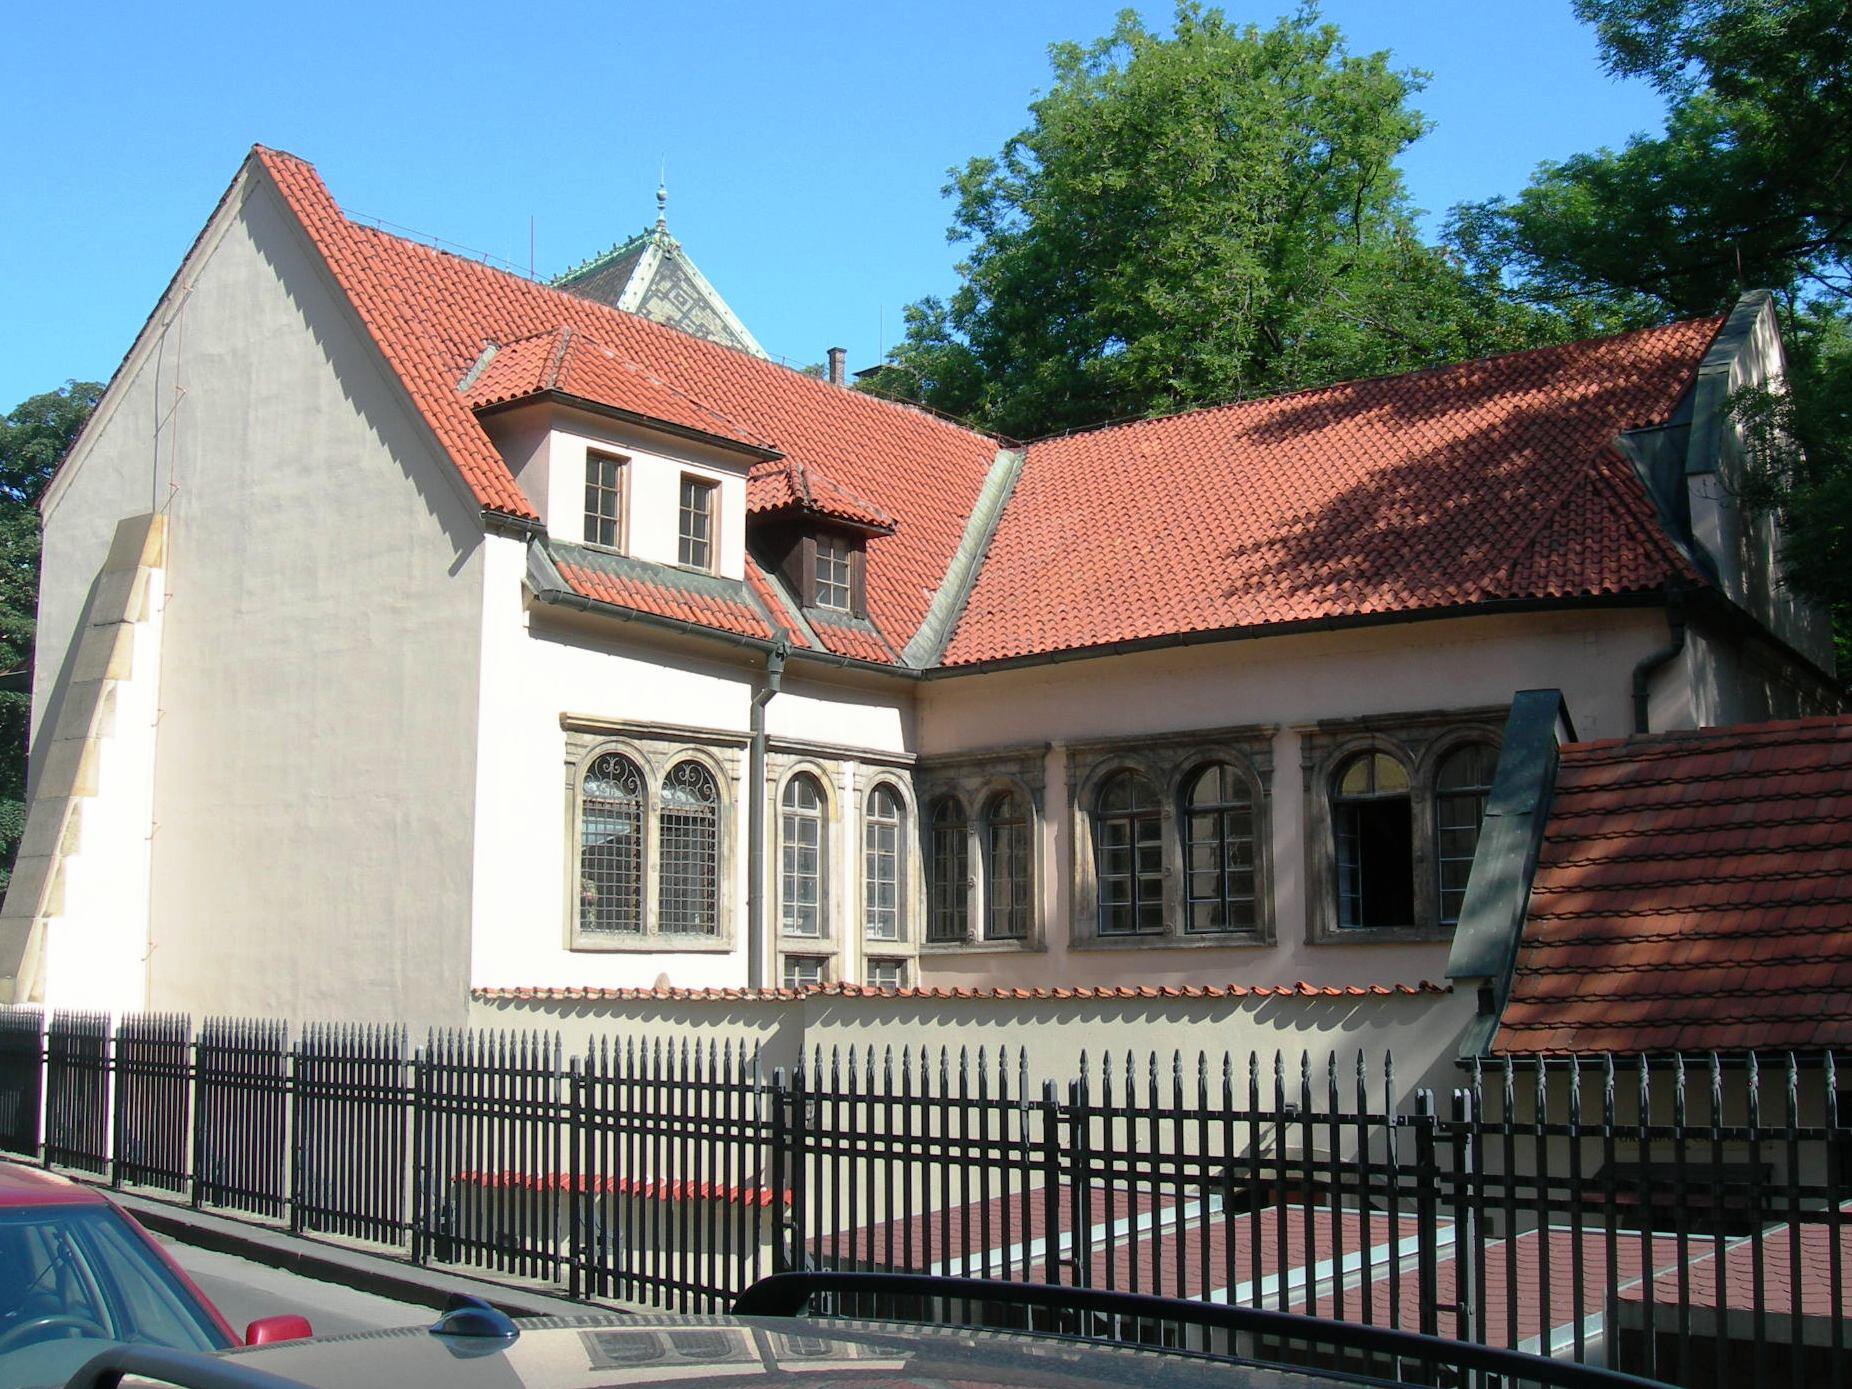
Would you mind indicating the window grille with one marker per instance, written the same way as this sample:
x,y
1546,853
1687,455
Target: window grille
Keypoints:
x,y
1218,843
611,846
1461,788
696,539
1129,845
883,859
688,834
886,974
950,882
801,888
833,587
604,500
1373,829
804,971
1006,868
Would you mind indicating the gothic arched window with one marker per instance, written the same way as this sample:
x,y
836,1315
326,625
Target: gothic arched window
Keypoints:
x,y
688,852
611,845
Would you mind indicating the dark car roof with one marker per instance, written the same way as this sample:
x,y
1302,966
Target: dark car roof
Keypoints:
x,y
32,1186
605,1351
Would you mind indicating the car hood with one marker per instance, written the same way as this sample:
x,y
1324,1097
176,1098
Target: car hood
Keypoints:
x,y
608,1351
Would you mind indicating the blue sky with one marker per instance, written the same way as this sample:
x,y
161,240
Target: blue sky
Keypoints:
x,y
806,143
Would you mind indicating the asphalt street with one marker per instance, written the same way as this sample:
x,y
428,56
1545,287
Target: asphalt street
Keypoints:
x,y
244,1291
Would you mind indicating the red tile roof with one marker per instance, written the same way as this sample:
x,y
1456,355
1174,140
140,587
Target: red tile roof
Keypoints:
x,y
629,587
1490,480
850,639
1776,1254
431,314
1693,893
571,363
1493,479
589,994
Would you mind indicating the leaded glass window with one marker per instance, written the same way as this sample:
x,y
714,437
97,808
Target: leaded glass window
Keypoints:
x,y
948,886
695,541
1372,823
611,846
604,500
1218,850
800,878
883,865
688,852
1461,787
1128,827
1006,868
833,573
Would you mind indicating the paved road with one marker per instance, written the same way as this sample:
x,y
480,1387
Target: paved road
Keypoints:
x,y
244,1291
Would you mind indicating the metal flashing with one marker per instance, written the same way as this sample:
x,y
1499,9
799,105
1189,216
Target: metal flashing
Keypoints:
x,y
954,591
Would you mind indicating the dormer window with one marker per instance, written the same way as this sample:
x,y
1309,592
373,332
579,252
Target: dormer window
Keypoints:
x,y
695,549
834,573
604,500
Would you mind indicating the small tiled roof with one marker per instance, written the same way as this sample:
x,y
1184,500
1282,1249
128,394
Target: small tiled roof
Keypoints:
x,y
941,993
783,485
659,589
1693,893
856,639
1493,479
572,363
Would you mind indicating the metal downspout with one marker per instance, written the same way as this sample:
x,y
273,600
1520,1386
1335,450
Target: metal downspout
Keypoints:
x,y
755,817
1643,672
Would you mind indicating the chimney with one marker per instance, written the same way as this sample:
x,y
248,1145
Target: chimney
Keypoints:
x,y
836,356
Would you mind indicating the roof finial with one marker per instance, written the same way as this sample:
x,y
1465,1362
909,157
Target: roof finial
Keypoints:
x,y
662,198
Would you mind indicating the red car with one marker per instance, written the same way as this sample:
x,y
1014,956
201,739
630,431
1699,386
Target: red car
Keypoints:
x,y
78,1275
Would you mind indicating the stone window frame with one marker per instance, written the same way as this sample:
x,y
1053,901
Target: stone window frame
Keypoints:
x,y
655,751
975,779
912,887
1418,742
1168,762
828,939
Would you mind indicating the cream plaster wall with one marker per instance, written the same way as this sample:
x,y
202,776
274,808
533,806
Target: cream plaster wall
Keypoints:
x,y
315,763
546,447
1466,663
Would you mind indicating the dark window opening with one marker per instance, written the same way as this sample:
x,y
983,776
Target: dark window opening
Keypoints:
x,y
1373,823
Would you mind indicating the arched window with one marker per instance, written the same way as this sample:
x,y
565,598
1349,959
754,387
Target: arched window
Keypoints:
x,y
1372,823
1461,785
884,864
611,845
801,885
1218,850
1128,826
1006,868
948,885
688,852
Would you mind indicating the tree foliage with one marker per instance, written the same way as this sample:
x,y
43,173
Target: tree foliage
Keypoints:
x,y
33,437
1749,185
1188,218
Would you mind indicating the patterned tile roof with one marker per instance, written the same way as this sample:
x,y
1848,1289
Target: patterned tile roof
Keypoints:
x,y
723,604
570,362
1693,893
942,993
1493,479
1489,480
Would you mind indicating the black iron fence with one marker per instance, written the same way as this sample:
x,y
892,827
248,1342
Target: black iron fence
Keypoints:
x,y
1683,1219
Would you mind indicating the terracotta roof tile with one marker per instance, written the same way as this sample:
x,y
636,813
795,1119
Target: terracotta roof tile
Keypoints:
x,y
626,583
1693,892
1493,479
782,485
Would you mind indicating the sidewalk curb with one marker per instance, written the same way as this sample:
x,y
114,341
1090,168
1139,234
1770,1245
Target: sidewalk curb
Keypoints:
x,y
381,1275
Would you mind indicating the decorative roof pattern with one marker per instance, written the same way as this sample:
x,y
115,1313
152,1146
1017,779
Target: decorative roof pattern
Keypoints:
x,y
1693,893
571,363
706,600
431,314
1493,479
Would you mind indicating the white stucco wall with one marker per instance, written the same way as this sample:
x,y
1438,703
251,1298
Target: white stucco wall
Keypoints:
x,y
1464,664
315,760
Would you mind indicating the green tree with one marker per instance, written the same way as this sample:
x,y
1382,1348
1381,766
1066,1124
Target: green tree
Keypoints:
x,y
1749,184
1188,218
33,437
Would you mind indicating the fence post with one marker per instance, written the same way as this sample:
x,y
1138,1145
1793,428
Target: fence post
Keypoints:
x,y
1053,1117
196,1159
781,1169
1427,1252
1468,1247
420,1158
112,1067
298,1146
580,1205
